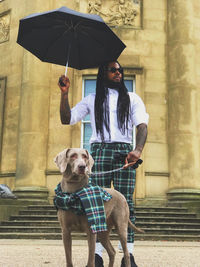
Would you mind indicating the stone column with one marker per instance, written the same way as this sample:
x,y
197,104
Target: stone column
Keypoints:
x,y
33,128
184,151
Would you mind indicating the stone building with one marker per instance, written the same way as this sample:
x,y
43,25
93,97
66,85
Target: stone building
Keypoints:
x,y
162,64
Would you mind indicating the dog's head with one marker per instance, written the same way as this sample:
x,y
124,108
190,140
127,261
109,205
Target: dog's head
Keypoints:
x,y
77,161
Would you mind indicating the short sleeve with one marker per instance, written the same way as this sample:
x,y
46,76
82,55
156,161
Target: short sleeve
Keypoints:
x,y
138,110
79,111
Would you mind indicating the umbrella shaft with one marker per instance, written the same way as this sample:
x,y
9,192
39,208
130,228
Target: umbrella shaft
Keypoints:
x,y
69,47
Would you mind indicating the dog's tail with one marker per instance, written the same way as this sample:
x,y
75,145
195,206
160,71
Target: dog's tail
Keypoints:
x,y
138,230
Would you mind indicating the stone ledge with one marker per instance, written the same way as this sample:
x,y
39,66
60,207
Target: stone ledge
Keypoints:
x,y
189,198
7,174
165,174
39,194
184,194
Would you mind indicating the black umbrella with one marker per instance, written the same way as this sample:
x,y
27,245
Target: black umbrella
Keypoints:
x,y
64,36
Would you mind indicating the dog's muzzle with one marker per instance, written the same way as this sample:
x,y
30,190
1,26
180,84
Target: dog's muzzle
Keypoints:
x,y
81,168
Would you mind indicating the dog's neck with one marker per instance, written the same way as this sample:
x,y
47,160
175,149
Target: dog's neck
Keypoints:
x,y
70,186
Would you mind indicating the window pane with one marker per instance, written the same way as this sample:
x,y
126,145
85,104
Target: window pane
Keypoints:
x,y
87,118
129,85
87,132
90,86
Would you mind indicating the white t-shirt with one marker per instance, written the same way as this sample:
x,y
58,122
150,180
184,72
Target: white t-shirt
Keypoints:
x,y
138,115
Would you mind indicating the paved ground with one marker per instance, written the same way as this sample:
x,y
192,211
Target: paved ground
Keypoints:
x,y
48,253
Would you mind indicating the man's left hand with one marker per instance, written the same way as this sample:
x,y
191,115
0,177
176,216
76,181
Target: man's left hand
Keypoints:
x,y
132,158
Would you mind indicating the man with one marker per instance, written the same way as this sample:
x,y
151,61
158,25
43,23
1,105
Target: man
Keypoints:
x,y
113,113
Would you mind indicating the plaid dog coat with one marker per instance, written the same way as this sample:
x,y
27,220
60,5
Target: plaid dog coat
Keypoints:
x,y
88,201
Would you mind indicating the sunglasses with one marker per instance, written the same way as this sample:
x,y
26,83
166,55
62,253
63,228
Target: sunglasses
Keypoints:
x,y
113,69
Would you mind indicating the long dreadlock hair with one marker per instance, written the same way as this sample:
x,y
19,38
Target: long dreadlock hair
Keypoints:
x,y
101,103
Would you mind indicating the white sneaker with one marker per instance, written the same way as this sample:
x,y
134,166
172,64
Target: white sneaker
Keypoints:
x,y
120,248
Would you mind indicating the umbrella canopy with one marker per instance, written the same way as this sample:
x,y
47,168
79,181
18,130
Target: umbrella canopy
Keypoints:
x,y
64,36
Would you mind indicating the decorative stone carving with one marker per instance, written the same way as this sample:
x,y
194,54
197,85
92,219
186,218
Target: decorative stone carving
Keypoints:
x,y
4,27
117,13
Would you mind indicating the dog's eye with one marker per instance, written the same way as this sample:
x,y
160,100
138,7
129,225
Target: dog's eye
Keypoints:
x,y
74,156
84,156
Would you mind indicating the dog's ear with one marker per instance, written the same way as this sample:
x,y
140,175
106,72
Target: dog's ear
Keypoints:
x,y
61,160
91,161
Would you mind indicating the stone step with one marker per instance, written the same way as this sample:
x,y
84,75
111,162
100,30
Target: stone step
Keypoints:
x,y
79,236
172,231
143,218
30,223
162,209
174,225
140,224
165,214
138,213
181,203
57,229
30,229
138,208
50,236
33,217
41,207
38,212
167,219
167,237
159,223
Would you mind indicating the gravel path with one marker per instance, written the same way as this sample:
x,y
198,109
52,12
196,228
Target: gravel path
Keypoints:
x,y
50,253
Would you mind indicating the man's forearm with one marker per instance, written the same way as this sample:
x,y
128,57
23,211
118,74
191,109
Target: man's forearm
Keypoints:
x,y
65,111
141,136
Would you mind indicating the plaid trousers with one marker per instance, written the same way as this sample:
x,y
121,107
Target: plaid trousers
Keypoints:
x,y
123,180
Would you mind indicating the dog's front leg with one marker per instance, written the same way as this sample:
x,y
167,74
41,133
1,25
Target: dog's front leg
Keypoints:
x,y
67,240
91,249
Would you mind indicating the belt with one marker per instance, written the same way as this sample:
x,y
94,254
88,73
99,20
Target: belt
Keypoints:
x,y
110,145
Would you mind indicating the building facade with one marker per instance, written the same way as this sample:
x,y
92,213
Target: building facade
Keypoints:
x,y
162,62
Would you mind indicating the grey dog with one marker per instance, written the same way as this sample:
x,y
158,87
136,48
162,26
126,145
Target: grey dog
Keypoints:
x,y
75,165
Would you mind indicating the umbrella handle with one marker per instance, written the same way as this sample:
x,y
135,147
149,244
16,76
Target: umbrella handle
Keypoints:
x,y
69,47
66,68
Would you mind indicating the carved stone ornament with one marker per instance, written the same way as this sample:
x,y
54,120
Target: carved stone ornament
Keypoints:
x,y
4,27
117,12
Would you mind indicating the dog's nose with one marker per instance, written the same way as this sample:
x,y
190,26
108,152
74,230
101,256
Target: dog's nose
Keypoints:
x,y
81,167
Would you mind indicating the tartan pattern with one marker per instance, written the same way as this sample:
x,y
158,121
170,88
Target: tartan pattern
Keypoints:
x,y
89,201
123,180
